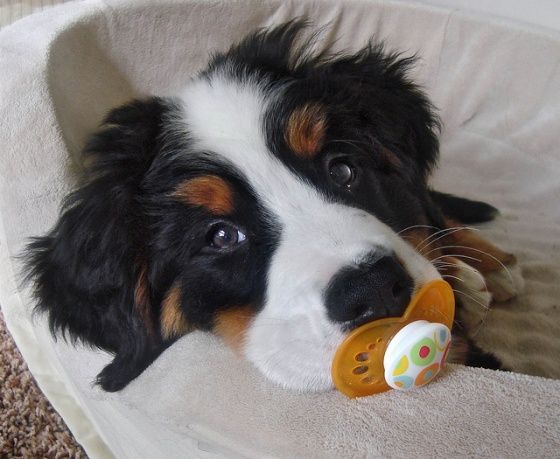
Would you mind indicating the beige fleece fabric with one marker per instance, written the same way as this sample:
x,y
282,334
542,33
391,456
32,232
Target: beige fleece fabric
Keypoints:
x,y
497,85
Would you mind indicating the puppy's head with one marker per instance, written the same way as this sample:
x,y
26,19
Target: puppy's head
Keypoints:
x,y
265,202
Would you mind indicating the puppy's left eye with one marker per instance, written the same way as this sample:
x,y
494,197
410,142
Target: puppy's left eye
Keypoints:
x,y
341,173
224,236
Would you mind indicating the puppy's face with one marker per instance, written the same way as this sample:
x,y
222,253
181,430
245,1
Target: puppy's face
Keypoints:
x,y
266,203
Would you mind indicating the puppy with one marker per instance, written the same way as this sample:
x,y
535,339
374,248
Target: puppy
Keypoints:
x,y
279,200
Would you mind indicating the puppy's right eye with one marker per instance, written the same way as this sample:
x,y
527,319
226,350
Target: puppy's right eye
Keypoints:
x,y
342,173
223,236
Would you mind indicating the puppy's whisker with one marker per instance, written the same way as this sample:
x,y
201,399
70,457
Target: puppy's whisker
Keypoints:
x,y
506,269
460,292
415,226
445,276
482,322
455,322
463,266
455,255
404,236
458,324
448,233
353,142
440,231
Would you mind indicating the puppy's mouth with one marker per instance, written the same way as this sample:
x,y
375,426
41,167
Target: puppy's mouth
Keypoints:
x,y
371,315
376,288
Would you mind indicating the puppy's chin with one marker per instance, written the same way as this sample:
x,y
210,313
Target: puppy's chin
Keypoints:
x,y
295,353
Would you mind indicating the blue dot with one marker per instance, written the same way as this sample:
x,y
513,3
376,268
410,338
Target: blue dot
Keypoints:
x,y
404,382
443,335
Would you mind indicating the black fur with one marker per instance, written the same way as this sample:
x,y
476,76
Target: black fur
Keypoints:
x,y
476,357
464,210
85,269
123,227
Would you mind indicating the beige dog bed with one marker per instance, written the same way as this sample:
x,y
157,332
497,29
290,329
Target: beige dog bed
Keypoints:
x,y
498,87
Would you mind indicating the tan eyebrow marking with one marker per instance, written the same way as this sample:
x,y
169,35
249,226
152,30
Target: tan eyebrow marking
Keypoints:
x,y
208,191
306,129
391,158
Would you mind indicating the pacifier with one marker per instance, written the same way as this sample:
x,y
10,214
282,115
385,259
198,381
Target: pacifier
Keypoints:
x,y
398,352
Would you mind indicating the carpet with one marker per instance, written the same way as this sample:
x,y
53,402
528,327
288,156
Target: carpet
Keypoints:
x,y
29,426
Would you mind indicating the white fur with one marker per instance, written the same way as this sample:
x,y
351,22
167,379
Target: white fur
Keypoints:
x,y
505,284
291,341
478,293
470,288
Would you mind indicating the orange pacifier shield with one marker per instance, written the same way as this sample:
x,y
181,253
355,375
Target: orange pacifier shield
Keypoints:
x,y
398,352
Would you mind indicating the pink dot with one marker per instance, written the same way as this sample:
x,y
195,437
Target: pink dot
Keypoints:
x,y
424,352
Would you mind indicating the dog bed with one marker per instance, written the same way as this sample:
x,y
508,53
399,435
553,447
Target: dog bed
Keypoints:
x,y
497,85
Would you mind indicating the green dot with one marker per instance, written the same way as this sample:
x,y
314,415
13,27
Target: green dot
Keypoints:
x,y
422,356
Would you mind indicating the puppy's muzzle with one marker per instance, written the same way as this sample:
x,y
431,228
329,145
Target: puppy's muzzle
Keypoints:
x,y
375,288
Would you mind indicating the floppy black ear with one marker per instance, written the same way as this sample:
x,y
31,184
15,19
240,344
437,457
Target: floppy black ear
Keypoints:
x,y
89,272
462,209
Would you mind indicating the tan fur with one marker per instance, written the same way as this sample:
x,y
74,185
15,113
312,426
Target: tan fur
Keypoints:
x,y
415,236
305,131
391,158
454,251
208,191
173,323
232,325
459,350
476,251
142,301
448,266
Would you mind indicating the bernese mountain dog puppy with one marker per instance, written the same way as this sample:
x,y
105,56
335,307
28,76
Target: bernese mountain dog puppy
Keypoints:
x,y
279,200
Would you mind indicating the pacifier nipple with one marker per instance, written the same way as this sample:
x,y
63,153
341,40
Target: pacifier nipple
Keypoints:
x,y
398,352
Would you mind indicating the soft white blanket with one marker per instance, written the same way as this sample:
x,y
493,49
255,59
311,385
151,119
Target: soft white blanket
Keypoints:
x,y
498,87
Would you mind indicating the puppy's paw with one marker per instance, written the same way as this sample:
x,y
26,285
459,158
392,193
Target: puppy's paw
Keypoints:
x,y
505,283
471,294
470,287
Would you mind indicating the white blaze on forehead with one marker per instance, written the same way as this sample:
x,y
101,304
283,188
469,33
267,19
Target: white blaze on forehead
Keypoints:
x,y
292,340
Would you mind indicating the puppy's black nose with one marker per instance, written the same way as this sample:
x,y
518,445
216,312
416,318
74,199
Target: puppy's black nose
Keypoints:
x,y
372,290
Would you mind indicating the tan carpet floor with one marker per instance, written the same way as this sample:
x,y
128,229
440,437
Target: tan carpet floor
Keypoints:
x,y
29,426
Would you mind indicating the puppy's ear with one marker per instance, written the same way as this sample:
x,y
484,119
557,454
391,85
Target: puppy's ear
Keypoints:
x,y
409,123
463,209
90,272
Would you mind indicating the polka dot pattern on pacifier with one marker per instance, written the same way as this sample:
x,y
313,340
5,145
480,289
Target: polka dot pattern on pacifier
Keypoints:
x,y
416,354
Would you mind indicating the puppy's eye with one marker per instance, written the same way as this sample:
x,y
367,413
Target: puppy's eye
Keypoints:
x,y
223,236
341,173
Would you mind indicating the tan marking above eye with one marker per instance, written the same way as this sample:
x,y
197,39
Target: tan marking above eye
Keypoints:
x,y
306,129
208,191
391,158
172,321
232,325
